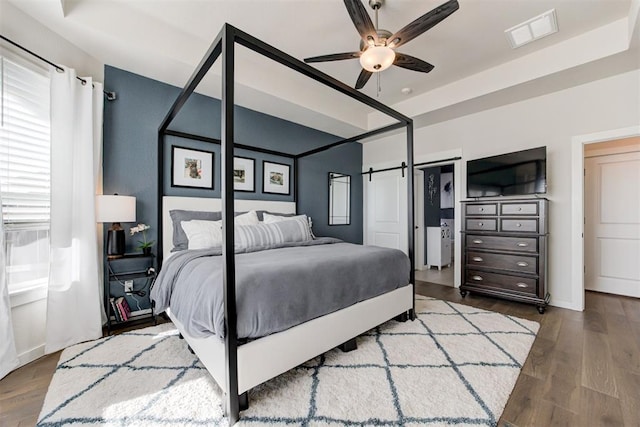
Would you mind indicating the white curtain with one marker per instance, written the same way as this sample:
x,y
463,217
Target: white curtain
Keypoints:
x,y
73,300
8,355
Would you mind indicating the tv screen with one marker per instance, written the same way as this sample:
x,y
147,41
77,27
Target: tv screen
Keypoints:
x,y
513,174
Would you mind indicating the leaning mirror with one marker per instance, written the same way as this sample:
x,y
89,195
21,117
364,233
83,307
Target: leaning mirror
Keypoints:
x,y
339,199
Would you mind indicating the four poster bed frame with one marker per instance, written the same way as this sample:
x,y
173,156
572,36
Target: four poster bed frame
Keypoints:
x,y
236,368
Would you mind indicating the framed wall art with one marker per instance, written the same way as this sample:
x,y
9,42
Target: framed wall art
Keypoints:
x,y
244,174
276,178
191,168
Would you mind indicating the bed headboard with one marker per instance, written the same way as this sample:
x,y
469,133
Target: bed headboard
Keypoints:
x,y
211,204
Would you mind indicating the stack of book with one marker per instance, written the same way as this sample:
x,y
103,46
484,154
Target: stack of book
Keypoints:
x,y
120,309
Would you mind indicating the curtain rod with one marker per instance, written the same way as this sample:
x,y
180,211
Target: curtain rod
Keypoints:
x,y
111,96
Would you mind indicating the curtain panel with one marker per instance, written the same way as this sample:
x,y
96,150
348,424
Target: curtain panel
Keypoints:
x,y
8,355
73,299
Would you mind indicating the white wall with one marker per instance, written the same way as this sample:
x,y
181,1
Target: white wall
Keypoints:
x,y
550,120
26,31
28,309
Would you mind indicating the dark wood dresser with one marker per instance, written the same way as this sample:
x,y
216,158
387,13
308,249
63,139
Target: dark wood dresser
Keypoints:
x,y
504,252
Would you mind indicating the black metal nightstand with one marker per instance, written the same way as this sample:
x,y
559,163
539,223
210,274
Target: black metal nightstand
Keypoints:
x,y
127,289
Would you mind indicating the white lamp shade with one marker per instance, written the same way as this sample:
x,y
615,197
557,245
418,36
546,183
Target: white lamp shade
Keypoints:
x,y
377,58
115,208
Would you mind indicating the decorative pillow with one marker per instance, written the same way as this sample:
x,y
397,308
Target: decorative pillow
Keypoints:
x,y
249,218
265,236
271,219
180,241
203,234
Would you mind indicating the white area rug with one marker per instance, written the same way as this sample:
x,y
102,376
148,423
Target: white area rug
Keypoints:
x,y
454,365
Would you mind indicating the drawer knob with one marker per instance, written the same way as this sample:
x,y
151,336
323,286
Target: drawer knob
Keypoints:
x,y
520,208
518,225
478,241
481,209
522,264
478,278
522,285
523,244
480,224
477,259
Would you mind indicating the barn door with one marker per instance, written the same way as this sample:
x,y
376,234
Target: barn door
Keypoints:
x,y
386,210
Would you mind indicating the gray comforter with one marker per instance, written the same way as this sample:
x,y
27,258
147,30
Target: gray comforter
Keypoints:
x,y
276,288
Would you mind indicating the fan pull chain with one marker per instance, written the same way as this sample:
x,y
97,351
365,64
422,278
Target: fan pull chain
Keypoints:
x,y
378,89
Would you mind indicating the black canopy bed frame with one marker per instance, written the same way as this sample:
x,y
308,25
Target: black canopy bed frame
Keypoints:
x,y
224,46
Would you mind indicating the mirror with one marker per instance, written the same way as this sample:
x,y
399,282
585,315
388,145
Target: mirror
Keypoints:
x,y
339,199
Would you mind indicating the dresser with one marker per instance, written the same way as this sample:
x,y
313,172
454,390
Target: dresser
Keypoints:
x,y
504,249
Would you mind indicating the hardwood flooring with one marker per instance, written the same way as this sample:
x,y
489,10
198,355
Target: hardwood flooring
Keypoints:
x,y
583,368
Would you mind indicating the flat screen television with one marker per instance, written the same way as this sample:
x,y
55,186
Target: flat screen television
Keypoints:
x,y
512,174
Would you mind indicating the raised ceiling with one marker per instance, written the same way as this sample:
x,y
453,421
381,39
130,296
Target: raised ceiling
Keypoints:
x,y
165,40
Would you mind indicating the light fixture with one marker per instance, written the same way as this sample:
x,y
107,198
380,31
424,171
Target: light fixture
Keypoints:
x,y
533,29
115,209
377,58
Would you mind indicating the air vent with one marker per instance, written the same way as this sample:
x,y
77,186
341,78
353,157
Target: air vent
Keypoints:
x,y
533,29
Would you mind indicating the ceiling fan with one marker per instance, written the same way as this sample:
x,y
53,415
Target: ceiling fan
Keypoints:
x,y
377,47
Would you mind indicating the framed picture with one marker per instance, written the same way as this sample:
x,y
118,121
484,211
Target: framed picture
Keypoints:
x,y
244,174
276,178
191,168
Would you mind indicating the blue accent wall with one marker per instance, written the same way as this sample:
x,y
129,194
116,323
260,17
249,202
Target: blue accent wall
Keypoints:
x,y
130,152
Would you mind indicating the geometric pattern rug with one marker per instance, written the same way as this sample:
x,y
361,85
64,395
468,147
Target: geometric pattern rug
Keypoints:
x,y
454,365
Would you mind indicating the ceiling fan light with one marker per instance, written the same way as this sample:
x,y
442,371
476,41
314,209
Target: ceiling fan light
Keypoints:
x,y
377,58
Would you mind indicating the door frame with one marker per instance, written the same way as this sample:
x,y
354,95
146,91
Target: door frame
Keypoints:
x,y
577,205
441,159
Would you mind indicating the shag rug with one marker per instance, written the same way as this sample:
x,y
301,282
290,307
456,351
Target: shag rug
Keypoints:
x,y
454,365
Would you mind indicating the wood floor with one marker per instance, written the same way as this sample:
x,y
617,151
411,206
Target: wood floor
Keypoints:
x,y
583,369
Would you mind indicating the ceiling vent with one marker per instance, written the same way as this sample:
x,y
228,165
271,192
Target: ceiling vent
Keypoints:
x,y
533,29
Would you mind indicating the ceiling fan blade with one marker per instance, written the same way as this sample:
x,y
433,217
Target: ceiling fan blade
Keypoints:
x,y
363,78
412,63
362,21
422,24
333,57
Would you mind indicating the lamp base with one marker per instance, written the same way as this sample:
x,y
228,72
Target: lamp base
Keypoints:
x,y
115,243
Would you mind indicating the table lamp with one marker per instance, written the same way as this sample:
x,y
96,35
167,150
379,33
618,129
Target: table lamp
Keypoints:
x,y
115,209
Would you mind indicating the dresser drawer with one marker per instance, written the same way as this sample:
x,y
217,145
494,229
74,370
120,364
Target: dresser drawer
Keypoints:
x,y
524,244
519,225
524,285
518,263
519,208
484,209
481,224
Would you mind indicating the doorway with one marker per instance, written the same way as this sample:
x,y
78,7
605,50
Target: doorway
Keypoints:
x,y
612,217
578,144
436,263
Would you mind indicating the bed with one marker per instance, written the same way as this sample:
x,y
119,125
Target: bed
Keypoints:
x,y
236,365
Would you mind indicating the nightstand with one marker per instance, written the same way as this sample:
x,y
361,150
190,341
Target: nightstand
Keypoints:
x,y
127,289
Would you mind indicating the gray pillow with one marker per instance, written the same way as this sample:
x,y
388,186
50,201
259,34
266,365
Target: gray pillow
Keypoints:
x,y
180,240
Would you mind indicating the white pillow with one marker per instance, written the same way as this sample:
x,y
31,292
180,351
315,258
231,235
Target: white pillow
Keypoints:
x,y
202,234
249,218
270,219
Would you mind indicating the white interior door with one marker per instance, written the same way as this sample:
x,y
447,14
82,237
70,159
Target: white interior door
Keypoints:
x,y
386,210
612,224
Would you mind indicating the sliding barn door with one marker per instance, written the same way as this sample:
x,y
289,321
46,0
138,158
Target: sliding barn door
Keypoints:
x,y
612,224
386,210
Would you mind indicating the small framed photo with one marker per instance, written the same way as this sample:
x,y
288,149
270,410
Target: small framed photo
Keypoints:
x,y
276,178
244,174
191,168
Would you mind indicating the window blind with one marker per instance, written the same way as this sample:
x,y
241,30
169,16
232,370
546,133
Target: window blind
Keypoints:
x,y
25,171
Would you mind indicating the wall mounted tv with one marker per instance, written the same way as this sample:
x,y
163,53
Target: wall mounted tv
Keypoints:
x,y
512,174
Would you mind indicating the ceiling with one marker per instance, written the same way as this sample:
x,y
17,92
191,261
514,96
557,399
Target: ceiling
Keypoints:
x,y
165,40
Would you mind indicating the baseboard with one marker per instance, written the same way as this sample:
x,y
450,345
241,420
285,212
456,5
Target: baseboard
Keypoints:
x,y
30,355
564,304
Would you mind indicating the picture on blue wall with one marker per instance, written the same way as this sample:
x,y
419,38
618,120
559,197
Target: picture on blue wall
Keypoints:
x,y
276,178
243,174
191,168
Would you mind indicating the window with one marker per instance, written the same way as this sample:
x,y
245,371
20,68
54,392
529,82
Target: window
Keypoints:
x,y
25,172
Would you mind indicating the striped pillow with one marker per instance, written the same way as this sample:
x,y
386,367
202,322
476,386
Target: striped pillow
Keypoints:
x,y
265,236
